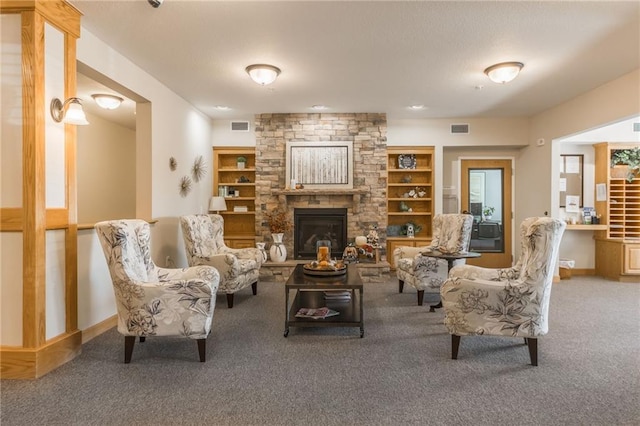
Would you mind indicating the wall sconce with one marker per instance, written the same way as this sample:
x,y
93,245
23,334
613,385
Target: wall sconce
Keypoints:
x,y
263,74
503,72
69,112
217,204
107,101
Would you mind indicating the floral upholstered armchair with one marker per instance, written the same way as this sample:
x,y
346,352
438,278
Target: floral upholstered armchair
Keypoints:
x,y
506,302
153,301
204,241
451,234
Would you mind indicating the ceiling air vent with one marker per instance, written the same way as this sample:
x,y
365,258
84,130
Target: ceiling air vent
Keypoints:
x,y
636,127
239,126
459,128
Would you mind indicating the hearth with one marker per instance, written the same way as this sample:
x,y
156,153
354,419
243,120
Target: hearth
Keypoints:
x,y
312,225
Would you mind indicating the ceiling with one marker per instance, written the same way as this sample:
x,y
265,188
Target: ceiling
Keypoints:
x,y
372,56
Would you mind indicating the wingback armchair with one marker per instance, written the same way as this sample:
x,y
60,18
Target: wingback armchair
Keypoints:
x,y
506,302
153,301
451,234
204,242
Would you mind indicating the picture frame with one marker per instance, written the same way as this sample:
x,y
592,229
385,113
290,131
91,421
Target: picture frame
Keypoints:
x,y
407,161
320,165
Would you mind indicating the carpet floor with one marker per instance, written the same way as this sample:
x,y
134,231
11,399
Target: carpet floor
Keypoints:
x,y
399,373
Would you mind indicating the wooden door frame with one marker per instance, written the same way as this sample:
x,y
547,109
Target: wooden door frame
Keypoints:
x,y
492,260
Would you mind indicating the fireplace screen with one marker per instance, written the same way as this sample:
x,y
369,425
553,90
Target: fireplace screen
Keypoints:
x,y
313,225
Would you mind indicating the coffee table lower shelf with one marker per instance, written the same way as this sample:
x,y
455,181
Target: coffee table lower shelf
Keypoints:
x,y
351,314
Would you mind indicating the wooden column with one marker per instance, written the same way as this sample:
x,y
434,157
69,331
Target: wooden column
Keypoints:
x,y
39,355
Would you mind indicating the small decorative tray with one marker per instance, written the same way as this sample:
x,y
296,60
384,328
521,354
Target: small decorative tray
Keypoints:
x,y
324,271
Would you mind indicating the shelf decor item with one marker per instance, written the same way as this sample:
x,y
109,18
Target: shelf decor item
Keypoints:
x,y
241,161
406,161
630,158
263,251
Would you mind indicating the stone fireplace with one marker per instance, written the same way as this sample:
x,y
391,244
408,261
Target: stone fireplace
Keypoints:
x,y
313,225
365,205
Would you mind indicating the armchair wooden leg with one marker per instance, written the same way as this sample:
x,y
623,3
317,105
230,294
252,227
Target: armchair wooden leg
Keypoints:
x,y
254,288
455,344
526,341
400,286
142,339
129,342
533,350
230,300
202,349
420,297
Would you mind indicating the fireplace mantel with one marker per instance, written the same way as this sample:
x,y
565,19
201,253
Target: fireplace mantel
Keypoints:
x,y
284,194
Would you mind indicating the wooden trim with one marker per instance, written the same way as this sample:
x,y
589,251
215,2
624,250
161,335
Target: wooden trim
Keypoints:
x,y
57,12
57,218
583,272
26,363
98,329
11,219
33,178
71,243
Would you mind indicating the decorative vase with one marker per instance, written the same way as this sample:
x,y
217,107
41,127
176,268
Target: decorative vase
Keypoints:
x,y
263,252
278,252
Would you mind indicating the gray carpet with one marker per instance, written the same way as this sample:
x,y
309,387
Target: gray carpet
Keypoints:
x,y
399,373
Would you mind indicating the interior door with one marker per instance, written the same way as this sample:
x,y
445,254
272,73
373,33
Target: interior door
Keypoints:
x,y
486,194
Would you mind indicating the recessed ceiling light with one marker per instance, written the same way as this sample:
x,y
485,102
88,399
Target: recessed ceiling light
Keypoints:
x,y
319,107
107,101
416,107
222,108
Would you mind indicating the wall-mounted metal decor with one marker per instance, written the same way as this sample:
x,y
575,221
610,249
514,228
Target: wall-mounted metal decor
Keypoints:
x,y
173,164
185,185
199,169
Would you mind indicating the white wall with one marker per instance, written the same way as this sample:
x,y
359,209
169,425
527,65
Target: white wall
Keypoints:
x,y
223,136
167,126
106,158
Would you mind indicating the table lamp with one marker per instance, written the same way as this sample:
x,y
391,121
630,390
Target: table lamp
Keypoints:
x,y
217,204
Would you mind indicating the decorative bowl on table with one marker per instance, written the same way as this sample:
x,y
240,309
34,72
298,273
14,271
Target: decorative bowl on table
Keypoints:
x,y
325,268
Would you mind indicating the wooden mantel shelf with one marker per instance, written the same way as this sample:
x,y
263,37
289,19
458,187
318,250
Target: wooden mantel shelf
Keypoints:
x,y
283,194
300,192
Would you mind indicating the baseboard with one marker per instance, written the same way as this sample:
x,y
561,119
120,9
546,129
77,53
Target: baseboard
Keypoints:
x,y
583,272
28,363
98,329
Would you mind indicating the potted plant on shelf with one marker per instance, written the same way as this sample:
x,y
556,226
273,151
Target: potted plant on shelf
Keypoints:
x,y
279,223
630,158
488,212
241,160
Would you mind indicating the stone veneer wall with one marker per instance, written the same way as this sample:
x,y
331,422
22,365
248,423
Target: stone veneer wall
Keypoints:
x,y
369,135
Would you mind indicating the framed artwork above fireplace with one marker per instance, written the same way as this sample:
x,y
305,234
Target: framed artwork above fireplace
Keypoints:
x,y
320,165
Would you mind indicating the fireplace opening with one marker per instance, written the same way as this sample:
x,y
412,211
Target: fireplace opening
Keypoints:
x,y
313,225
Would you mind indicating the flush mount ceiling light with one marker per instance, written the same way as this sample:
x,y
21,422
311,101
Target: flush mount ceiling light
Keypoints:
x,y
107,101
263,74
69,112
503,72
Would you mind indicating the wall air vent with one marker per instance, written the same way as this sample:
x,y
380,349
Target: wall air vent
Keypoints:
x,y
459,128
239,126
636,127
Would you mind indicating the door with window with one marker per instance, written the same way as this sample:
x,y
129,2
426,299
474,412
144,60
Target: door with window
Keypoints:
x,y
486,194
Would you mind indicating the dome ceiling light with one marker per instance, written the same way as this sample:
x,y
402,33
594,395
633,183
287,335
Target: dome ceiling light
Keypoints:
x,y
107,101
503,72
263,74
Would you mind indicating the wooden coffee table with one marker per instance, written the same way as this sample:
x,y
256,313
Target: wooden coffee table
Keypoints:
x,y
310,294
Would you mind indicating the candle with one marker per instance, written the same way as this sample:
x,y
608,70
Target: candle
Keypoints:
x,y
361,240
323,253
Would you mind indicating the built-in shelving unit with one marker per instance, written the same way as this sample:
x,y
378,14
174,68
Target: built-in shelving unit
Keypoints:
x,y
239,227
617,247
409,169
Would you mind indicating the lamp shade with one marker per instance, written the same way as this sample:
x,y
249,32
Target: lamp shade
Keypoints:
x,y
263,74
503,72
217,204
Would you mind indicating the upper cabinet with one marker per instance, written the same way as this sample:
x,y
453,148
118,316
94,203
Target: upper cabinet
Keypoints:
x,y
234,178
409,197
